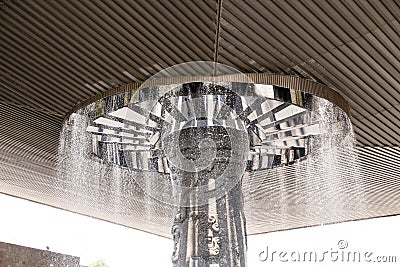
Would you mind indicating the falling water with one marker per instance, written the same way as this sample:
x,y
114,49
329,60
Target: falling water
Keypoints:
x,y
85,179
334,165
90,185
325,187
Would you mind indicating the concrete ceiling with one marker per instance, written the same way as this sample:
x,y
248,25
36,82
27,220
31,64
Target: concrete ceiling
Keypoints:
x,y
56,54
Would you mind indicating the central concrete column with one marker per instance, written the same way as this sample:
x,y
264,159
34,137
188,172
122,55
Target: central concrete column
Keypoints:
x,y
209,230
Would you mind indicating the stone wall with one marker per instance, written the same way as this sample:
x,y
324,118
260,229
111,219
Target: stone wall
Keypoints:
x,y
18,256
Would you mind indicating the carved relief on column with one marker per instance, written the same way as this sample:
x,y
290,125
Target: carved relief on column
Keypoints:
x,y
177,232
213,237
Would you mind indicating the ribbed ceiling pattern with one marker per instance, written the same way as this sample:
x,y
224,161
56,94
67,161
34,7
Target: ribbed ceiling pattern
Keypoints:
x,y
55,54
29,134
348,45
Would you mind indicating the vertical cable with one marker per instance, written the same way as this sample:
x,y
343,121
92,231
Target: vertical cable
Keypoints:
x,y
217,35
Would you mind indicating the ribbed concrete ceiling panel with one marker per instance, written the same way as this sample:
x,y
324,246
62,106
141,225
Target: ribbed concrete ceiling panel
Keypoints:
x,y
62,52
29,134
55,54
348,45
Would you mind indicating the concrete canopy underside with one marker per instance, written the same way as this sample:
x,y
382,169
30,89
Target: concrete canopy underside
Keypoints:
x,y
56,54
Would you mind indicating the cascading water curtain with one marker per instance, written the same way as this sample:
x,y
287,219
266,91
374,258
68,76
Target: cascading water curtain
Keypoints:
x,y
195,138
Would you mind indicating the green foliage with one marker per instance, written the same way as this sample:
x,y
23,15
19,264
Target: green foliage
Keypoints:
x,y
99,263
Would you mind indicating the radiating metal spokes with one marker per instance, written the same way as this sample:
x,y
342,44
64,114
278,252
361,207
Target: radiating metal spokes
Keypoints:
x,y
278,131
